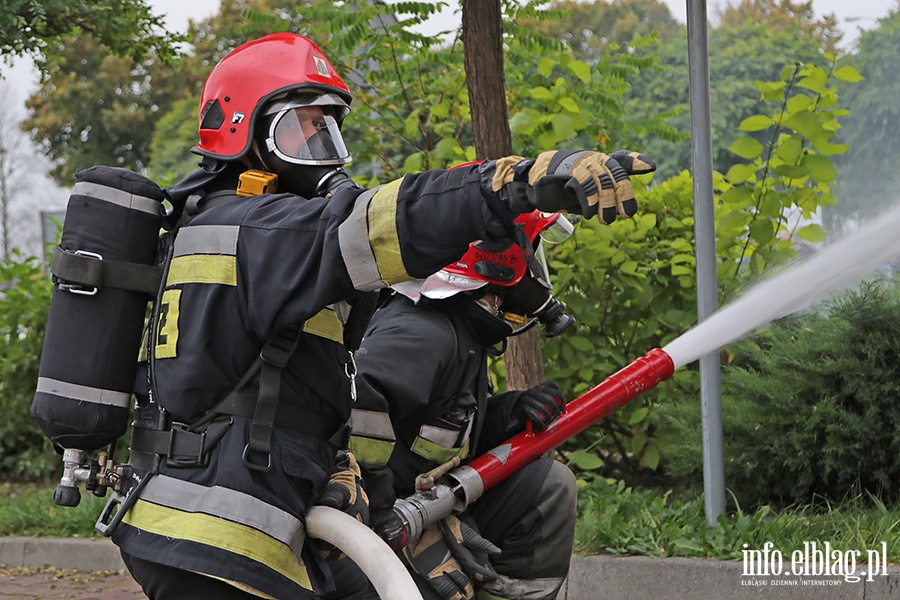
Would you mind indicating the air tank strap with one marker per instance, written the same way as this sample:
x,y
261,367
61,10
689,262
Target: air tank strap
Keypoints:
x,y
180,444
86,272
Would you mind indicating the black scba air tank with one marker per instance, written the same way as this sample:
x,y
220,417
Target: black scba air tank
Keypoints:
x,y
105,275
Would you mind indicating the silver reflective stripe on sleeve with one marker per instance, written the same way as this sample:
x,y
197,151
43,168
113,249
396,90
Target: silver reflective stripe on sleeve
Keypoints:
x,y
444,437
117,197
439,444
353,236
342,310
371,423
232,505
82,393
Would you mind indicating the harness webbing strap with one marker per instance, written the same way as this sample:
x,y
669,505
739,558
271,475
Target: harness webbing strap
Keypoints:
x,y
275,356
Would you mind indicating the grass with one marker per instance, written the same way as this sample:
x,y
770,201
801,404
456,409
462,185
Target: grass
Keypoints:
x,y
614,519
27,509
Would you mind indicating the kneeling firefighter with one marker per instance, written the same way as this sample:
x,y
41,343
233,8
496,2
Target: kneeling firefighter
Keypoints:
x,y
425,399
243,404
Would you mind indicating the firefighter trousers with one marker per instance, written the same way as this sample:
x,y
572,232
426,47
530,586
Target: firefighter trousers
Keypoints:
x,y
531,517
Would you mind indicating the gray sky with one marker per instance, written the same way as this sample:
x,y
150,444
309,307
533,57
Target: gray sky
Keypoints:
x,y
22,79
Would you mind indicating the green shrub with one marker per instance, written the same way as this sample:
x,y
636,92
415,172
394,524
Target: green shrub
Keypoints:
x,y
24,301
811,407
631,285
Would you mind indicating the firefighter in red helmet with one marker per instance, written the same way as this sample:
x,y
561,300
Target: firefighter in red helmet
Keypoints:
x,y
243,408
425,399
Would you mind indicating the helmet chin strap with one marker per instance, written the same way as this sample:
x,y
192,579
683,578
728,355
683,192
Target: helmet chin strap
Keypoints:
x,y
490,302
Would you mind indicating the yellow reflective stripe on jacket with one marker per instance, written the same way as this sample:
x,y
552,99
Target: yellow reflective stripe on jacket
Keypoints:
x,y
437,453
219,533
229,504
203,268
369,240
326,324
205,254
383,233
372,438
371,451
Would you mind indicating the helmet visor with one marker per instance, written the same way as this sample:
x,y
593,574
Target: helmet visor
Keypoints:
x,y
558,231
307,135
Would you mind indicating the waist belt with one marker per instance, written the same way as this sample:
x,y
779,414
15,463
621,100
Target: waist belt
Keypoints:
x,y
186,445
307,422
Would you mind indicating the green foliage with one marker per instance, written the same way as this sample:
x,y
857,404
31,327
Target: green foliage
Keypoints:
x,y
24,302
560,101
619,520
789,173
631,285
127,27
602,275
811,407
169,163
411,105
97,108
741,54
589,28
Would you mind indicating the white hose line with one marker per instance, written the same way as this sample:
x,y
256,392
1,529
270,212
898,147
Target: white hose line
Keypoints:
x,y
366,549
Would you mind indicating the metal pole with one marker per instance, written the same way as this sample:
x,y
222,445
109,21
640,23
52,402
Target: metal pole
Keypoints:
x,y
705,234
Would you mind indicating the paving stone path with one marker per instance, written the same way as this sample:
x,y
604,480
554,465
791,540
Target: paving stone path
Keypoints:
x,y
39,583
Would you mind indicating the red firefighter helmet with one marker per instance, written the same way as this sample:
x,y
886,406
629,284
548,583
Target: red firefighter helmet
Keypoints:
x,y
254,74
505,264
484,263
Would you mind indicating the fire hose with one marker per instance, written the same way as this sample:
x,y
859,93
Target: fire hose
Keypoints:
x,y
460,486
388,575
442,492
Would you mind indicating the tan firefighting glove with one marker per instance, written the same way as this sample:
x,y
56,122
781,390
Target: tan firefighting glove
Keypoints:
x,y
449,555
577,181
344,492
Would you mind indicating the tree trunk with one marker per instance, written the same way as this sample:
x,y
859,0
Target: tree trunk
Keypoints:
x,y
483,48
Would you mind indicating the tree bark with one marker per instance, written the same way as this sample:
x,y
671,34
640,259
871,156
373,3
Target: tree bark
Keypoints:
x,y
483,49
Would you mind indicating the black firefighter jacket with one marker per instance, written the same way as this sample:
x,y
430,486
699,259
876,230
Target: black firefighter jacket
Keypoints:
x,y
423,393
239,273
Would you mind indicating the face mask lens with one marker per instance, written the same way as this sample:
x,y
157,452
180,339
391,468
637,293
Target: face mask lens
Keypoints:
x,y
558,231
308,135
